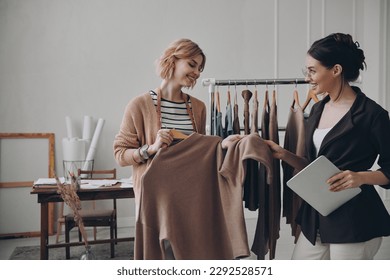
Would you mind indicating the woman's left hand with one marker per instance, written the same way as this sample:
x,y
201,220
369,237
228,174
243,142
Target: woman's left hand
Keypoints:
x,y
344,180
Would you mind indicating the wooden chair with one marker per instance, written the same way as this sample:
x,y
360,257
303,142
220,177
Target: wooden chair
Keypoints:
x,y
95,217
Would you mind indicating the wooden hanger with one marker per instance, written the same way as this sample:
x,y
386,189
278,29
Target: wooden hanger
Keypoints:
x,y
217,101
178,135
310,96
296,99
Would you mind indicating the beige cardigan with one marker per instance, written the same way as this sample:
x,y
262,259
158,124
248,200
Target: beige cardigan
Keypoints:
x,y
140,126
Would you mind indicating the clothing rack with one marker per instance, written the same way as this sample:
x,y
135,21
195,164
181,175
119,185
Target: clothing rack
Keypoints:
x,y
212,82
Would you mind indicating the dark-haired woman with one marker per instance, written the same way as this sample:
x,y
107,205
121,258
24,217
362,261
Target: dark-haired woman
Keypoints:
x,y
351,130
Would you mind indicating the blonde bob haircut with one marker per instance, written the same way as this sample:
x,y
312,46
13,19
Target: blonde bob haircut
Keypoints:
x,y
179,49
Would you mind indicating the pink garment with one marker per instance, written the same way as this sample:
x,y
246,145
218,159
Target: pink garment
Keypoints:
x,y
191,196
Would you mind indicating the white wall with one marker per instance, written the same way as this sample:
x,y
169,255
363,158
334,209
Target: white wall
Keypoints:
x,y
90,57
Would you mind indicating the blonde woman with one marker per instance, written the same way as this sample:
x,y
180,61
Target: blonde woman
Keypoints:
x,y
149,118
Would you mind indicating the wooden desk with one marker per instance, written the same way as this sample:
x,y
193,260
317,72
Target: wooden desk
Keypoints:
x,y
46,195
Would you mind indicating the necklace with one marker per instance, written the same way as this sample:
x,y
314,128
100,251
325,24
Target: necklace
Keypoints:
x,y
189,109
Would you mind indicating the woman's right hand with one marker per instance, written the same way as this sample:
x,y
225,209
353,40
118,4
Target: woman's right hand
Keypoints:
x,y
278,152
164,139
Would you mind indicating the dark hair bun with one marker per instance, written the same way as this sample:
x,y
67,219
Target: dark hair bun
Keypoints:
x,y
339,48
354,52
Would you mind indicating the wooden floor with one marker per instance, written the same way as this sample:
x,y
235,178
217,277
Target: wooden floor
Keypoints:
x,y
284,246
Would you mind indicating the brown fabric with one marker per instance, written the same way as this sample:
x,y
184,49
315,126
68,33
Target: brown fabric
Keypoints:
x,y
275,186
139,127
260,244
255,114
252,147
180,203
247,95
251,190
294,142
268,223
195,207
236,121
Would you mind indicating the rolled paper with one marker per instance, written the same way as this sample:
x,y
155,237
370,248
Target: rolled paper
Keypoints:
x,y
73,149
94,142
69,128
87,131
87,128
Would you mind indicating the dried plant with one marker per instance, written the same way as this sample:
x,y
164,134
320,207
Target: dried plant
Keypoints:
x,y
70,197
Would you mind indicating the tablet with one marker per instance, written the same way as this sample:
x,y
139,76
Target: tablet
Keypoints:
x,y
310,184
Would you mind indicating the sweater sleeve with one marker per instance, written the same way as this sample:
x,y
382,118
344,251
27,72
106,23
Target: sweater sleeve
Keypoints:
x,y
126,141
251,146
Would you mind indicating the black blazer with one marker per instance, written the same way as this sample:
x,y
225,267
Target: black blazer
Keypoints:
x,y
352,144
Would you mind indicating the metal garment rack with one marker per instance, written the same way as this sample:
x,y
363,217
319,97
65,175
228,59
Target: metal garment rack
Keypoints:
x,y
212,83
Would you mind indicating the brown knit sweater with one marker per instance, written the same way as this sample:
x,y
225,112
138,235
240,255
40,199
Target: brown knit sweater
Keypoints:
x,y
191,195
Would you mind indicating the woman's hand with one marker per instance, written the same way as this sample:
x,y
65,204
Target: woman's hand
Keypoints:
x,y
164,139
345,180
348,179
230,139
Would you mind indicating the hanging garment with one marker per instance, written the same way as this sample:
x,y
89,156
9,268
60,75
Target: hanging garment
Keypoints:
x,y
251,190
275,186
213,115
218,116
236,121
260,244
295,143
247,95
228,116
199,208
269,213
251,147
251,179
255,114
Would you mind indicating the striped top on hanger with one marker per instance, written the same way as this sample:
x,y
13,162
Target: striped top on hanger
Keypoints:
x,y
174,115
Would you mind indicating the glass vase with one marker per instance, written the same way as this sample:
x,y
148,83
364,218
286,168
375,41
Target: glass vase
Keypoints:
x,y
87,255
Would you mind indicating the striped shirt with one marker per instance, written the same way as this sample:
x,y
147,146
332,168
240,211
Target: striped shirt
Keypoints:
x,y
174,115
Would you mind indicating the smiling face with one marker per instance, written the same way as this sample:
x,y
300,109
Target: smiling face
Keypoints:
x,y
187,71
321,79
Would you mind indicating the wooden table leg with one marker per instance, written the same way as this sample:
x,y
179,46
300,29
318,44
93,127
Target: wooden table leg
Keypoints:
x,y
44,231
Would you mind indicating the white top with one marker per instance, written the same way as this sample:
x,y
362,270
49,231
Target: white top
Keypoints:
x,y
318,137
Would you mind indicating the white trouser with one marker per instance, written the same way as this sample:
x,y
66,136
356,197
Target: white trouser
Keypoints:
x,y
304,250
